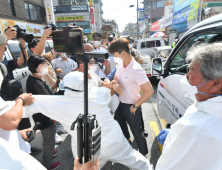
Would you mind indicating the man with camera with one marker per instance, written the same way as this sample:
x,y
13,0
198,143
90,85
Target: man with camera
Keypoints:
x,y
103,67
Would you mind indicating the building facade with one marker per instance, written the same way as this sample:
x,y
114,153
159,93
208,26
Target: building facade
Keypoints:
x,y
68,12
157,10
98,14
28,14
109,26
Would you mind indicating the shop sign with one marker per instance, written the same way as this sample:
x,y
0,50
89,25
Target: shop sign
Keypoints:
x,y
49,12
71,2
35,29
70,18
155,26
90,3
92,16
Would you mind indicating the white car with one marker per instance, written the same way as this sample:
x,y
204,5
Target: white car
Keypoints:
x,y
171,102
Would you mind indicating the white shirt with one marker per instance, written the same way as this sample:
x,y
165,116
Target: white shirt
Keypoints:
x,y
101,68
12,136
65,109
66,65
13,158
195,140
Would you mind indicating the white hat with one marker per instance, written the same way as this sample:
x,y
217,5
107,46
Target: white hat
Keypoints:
x,y
75,81
3,39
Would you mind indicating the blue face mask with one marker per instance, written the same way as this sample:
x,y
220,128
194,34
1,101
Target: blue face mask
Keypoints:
x,y
190,91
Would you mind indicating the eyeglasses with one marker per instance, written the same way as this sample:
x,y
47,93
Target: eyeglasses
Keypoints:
x,y
97,33
97,39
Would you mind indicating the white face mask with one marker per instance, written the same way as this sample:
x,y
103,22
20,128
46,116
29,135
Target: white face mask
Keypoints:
x,y
64,55
176,40
118,61
130,45
44,71
96,43
94,67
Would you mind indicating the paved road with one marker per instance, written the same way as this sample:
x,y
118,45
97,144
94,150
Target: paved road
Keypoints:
x,y
152,125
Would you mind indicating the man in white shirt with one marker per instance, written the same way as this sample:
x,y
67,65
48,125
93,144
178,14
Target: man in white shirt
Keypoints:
x,y
195,141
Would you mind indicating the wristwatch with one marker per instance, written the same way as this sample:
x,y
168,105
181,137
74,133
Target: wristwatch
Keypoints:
x,y
134,106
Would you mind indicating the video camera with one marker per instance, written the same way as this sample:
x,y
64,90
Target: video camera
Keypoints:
x,y
21,33
54,27
70,41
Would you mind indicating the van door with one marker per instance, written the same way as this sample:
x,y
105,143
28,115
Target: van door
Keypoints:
x,y
171,103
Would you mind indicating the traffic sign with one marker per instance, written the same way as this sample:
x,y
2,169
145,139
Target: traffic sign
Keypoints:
x,y
146,16
140,9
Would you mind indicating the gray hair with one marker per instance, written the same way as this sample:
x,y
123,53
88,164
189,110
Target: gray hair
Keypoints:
x,y
209,56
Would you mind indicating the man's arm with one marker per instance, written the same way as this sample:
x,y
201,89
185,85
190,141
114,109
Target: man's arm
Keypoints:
x,y
10,119
106,41
41,45
107,69
20,60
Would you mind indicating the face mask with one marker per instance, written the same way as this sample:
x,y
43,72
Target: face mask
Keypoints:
x,y
44,71
96,43
176,40
131,45
189,91
118,60
64,55
94,67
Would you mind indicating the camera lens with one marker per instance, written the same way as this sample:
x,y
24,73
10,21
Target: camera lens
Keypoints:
x,y
27,37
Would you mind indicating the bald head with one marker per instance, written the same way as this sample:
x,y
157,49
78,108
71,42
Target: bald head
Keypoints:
x,y
88,47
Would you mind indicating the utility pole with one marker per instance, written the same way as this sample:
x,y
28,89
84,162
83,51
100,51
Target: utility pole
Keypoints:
x,y
137,22
201,8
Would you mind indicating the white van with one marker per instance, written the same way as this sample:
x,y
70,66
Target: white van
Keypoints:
x,y
22,72
146,46
171,103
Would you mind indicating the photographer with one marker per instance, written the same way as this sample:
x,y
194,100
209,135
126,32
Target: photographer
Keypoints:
x,y
102,69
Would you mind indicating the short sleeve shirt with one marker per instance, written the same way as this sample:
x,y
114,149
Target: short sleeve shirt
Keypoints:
x,y
131,78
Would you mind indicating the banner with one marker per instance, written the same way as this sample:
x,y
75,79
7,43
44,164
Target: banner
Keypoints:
x,y
70,18
90,3
35,29
167,21
92,16
180,4
49,12
155,26
188,13
142,27
71,2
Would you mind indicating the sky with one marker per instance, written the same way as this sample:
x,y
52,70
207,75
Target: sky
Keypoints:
x,y
120,11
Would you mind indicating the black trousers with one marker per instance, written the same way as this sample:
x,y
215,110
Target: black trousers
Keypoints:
x,y
123,115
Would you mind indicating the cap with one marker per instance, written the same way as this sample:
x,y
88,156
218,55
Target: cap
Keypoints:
x,y
3,39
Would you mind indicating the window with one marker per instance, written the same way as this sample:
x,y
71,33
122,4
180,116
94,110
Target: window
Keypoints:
x,y
33,12
160,4
154,5
82,24
178,64
11,6
150,44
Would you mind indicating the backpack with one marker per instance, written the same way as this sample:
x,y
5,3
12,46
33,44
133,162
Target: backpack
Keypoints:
x,y
11,88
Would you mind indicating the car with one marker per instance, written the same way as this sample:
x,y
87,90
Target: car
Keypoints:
x,y
171,102
22,72
146,46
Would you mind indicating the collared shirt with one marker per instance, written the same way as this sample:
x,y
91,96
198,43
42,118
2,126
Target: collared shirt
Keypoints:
x,y
66,65
131,78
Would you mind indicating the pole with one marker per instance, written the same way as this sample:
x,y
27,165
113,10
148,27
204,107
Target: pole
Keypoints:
x,y
137,22
200,14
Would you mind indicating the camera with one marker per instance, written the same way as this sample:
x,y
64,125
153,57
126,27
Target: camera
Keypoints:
x,y
54,27
111,36
21,33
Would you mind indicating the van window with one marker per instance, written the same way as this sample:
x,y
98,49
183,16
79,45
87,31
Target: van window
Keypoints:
x,y
158,43
179,62
151,44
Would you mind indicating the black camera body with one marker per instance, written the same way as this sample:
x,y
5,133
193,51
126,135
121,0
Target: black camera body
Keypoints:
x,y
111,36
21,33
54,27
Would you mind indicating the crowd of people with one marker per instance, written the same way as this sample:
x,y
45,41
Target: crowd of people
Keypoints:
x,y
55,98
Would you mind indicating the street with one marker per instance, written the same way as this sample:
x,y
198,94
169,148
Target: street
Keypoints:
x,y
152,125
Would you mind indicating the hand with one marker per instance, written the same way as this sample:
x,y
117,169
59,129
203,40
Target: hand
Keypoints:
x,y
106,63
10,33
23,133
59,70
28,98
133,110
47,32
22,41
162,135
118,88
107,35
87,166
114,82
